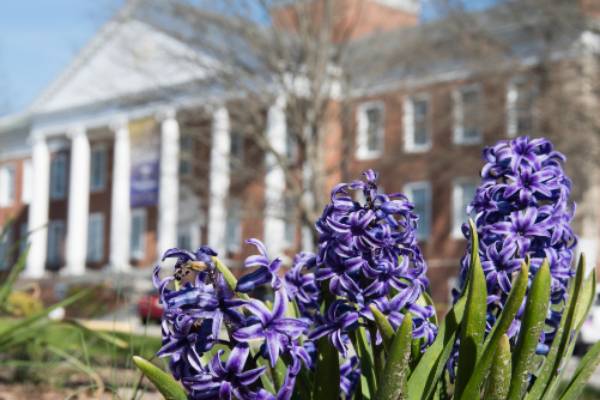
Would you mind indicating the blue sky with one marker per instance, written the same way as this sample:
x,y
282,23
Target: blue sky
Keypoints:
x,y
38,38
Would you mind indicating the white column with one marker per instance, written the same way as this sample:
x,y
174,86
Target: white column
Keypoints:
x,y
168,194
38,208
120,209
274,229
79,199
219,178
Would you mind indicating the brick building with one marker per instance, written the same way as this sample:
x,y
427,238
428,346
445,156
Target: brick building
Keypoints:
x,y
103,173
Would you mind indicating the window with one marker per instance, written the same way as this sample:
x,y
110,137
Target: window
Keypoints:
x,y
5,248
7,185
56,237
463,193
291,146
98,169
23,237
236,150
233,228
186,154
184,240
419,193
467,115
417,135
27,182
521,107
58,177
138,233
290,221
95,239
370,130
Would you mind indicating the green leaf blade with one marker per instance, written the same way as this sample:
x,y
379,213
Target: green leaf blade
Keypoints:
x,y
531,327
513,303
396,370
499,380
473,324
163,382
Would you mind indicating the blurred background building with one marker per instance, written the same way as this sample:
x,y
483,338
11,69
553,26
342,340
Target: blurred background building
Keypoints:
x,y
181,125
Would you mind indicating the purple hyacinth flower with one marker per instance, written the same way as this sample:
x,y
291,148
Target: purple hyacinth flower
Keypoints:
x,y
349,376
265,273
368,250
271,326
301,286
340,318
522,209
224,380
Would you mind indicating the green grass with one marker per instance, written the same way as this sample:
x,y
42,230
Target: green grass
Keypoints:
x,y
84,345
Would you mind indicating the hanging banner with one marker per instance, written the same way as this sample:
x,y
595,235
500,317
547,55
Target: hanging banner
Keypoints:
x,y
145,162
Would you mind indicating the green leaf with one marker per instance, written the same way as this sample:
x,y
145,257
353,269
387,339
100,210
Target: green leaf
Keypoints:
x,y
11,331
549,376
327,372
585,369
426,374
499,380
365,356
12,277
384,326
473,324
166,385
396,370
229,277
513,303
531,327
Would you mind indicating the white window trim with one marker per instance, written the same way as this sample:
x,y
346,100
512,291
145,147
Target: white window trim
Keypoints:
x,y
140,253
408,188
456,231
6,186
55,194
409,124
512,96
362,151
459,116
103,148
96,217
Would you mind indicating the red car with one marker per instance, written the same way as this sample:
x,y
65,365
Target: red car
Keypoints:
x,y
149,309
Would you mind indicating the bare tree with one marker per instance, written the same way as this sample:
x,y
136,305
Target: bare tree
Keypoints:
x,y
266,52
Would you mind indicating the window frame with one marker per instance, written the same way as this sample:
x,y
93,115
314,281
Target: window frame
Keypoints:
x,y
409,123
55,192
512,99
459,115
408,191
138,254
53,225
101,186
235,206
362,130
8,185
96,217
457,194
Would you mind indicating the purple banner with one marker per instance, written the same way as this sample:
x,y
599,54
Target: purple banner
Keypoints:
x,y
144,184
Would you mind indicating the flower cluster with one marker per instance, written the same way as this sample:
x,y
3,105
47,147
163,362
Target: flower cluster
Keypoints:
x,y
201,311
521,209
368,254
